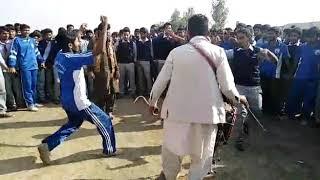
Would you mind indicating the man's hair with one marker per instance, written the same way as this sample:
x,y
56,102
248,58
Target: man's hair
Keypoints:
x,y
69,25
24,26
115,34
275,30
153,26
296,30
36,33
246,31
126,29
95,30
240,25
137,30
17,26
67,38
311,32
257,26
9,26
143,30
167,24
181,28
198,25
265,27
4,29
46,31
228,29
89,31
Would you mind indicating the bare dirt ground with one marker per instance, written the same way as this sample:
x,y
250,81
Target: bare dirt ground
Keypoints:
x,y
287,152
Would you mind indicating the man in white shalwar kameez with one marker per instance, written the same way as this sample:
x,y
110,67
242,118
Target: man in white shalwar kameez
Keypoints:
x,y
193,105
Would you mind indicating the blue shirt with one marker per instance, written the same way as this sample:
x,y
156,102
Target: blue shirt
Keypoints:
x,y
73,85
269,69
24,54
226,45
309,63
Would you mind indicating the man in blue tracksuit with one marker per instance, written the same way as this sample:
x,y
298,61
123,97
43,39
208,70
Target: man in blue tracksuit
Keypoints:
x,y
273,100
73,96
303,91
25,56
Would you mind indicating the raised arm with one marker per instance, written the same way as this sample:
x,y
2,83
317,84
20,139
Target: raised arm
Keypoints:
x,y
100,45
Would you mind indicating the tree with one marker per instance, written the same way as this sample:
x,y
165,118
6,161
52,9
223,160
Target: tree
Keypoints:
x,y
178,21
186,15
219,13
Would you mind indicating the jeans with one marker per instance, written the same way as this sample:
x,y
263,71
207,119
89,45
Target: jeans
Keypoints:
x,y
254,97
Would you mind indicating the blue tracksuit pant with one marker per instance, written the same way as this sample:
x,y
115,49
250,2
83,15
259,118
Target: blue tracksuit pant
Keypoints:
x,y
302,98
29,85
92,114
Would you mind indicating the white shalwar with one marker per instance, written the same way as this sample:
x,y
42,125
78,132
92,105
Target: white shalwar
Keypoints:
x,y
193,106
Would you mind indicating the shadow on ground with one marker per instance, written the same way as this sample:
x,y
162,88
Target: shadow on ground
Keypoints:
x,y
134,155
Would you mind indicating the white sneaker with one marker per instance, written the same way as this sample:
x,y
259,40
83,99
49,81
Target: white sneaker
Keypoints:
x,y
39,105
44,153
32,108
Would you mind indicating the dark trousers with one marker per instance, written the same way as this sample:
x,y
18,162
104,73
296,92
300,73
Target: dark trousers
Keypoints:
x,y
13,90
104,94
41,85
272,100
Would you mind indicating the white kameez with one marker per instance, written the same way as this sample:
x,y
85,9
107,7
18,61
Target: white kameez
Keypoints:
x,y
193,105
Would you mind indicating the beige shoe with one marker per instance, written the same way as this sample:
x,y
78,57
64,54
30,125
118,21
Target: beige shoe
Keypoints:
x,y
44,153
32,108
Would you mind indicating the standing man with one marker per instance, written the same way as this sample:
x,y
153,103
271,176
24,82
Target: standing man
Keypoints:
x,y
12,80
245,62
48,52
162,45
273,100
24,56
190,124
127,55
144,58
105,75
4,35
302,95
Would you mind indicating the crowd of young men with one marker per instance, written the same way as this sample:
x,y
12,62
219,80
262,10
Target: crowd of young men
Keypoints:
x,y
287,87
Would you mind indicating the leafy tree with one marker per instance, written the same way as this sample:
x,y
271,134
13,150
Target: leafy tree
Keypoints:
x,y
219,13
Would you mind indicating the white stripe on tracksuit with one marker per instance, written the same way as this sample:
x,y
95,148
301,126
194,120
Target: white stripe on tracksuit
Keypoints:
x,y
102,129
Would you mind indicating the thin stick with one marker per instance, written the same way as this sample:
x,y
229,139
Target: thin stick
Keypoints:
x,y
255,118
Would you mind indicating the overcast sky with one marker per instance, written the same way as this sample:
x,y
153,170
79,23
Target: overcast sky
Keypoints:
x,y
137,13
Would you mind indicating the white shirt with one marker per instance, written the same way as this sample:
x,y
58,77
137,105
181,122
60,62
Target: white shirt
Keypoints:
x,y
194,94
47,51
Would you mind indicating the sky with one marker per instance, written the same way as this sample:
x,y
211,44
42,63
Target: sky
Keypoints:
x,y
40,14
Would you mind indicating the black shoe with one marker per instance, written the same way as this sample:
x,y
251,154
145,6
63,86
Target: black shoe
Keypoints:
x,y
12,108
43,101
240,146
